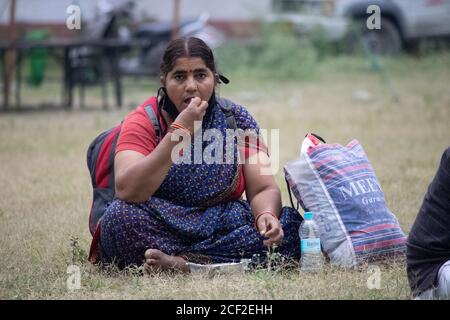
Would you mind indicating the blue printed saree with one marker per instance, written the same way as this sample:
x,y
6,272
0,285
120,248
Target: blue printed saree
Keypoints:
x,y
193,214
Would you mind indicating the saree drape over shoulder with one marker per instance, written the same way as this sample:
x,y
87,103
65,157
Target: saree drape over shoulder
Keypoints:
x,y
195,212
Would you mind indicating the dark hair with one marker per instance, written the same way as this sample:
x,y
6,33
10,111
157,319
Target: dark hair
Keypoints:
x,y
187,47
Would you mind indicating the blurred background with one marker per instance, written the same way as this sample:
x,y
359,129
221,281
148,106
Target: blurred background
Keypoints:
x,y
84,44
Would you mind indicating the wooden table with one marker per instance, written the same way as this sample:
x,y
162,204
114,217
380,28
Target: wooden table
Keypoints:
x,y
109,48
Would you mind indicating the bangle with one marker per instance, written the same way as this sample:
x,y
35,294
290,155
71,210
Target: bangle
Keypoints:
x,y
175,126
260,214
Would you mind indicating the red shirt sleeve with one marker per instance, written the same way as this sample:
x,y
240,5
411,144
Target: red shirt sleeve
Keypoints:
x,y
137,132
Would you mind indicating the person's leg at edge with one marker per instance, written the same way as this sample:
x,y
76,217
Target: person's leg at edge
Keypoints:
x,y
443,288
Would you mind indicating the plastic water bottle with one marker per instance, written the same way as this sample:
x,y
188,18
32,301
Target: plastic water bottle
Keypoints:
x,y
312,258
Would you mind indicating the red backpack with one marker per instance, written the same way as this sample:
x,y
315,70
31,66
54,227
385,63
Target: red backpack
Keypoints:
x,y
100,162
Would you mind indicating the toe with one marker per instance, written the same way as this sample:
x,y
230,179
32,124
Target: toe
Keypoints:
x,y
152,254
151,262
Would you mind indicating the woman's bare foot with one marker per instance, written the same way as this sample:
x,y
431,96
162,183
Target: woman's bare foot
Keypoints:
x,y
156,260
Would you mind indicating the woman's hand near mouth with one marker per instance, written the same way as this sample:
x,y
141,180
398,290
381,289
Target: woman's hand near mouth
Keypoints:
x,y
195,111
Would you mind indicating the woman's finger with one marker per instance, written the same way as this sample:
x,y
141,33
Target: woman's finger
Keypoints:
x,y
273,228
203,105
195,102
274,240
275,234
279,237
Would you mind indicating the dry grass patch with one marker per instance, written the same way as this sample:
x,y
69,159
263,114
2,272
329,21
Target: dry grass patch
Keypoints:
x,y
46,192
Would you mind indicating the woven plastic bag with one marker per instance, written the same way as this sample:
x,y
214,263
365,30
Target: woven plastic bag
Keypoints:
x,y
339,184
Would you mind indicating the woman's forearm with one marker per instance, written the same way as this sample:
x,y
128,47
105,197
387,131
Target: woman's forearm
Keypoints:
x,y
268,199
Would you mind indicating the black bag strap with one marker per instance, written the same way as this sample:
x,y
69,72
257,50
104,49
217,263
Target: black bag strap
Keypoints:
x,y
290,194
287,182
112,178
317,136
152,115
225,105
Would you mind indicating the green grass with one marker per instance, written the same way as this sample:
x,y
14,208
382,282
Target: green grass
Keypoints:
x,y
46,192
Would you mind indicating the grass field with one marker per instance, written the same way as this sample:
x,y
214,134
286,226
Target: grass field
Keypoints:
x,y
46,194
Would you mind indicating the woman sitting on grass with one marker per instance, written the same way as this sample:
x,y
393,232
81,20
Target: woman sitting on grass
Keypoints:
x,y
168,213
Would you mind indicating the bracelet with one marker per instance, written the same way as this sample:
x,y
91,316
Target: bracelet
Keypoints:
x,y
175,126
260,214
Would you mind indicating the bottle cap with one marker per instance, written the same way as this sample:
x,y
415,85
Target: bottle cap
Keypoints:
x,y
309,215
